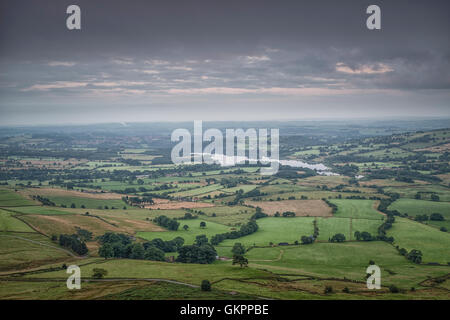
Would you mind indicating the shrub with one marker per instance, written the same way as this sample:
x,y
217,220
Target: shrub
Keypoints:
x,y
206,285
99,273
393,289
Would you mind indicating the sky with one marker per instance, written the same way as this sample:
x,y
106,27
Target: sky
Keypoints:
x,y
144,61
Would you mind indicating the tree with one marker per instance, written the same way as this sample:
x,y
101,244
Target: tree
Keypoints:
x,y
338,237
307,240
393,289
240,260
203,224
153,253
365,236
201,240
206,285
288,214
328,289
357,235
197,254
106,251
415,256
99,273
238,249
185,227
137,251
73,205
435,197
437,217
421,217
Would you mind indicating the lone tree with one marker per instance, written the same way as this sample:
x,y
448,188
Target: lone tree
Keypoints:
x,y
185,227
240,260
415,256
206,285
99,273
238,249
203,224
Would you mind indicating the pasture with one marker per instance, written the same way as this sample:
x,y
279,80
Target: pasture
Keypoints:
x,y
433,243
9,223
358,209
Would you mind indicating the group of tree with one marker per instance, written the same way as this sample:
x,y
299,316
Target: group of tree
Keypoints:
x,y
432,217
166,222
200,252
44,201
116,245
364,236
286,214
74,243
258,214
338,237
246,229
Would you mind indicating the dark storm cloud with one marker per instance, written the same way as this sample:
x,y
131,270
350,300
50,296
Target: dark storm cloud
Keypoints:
x,y
192,56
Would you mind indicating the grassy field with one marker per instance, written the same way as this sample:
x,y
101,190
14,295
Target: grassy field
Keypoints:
x,y
356,209
18,252
414,207
89,203
9,223
197,191
410,235
9,198
426,191
276,230
340,260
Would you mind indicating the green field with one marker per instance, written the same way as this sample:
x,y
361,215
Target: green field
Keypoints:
x,y
197,191
433,243
19,252
87,202
41,210
414,207
348,260
356,209
276,230
9,223
9,198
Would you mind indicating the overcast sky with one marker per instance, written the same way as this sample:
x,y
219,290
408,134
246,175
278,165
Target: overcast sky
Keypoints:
x,y
222,60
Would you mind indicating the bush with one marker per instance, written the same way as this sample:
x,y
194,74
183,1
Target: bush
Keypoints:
x,y
328,289
436,217
346,290
206,285
393,289
99,273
